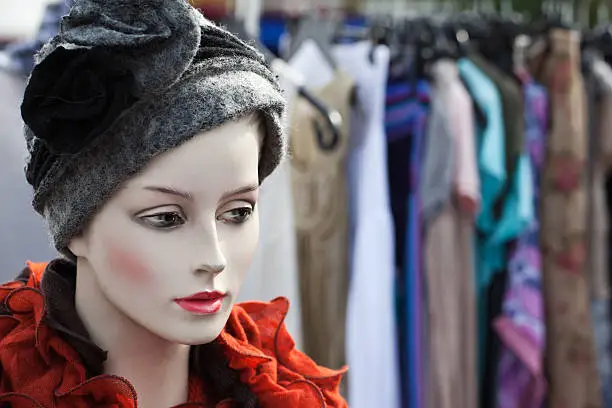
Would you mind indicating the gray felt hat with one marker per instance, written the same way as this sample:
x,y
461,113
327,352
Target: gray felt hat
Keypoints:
x,y
122,82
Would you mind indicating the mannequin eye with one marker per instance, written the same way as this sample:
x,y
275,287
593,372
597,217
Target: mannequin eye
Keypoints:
x,y
165,220
236,216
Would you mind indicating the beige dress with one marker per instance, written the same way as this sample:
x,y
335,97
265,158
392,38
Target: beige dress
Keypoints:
x,y
319,188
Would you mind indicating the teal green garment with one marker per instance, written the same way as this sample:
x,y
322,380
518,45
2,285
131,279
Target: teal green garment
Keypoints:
x,y
517,212
516,216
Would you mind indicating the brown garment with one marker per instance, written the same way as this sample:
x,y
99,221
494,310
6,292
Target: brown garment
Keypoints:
x,y
451,299
512,110
570,348
321,217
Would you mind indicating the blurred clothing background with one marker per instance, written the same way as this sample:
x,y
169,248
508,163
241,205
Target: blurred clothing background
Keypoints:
x,y
442,224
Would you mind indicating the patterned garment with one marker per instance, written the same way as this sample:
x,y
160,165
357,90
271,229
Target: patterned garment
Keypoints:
x,y
405,122
571,362
520,377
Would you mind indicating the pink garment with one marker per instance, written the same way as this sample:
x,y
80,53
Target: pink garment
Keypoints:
x,y
466,183
449,259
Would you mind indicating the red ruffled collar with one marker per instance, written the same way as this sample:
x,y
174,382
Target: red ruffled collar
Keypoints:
x,y
40,369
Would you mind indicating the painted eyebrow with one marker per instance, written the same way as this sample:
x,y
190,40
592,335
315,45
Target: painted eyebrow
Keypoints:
x,y
170,191
189,196
238,191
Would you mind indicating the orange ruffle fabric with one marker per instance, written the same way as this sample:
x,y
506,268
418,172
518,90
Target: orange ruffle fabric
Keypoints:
x,y
41,370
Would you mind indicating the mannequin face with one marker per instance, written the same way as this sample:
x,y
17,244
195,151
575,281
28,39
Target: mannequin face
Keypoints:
x,y
187,224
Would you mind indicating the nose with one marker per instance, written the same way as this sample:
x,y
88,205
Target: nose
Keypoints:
x,y
209,256
211,269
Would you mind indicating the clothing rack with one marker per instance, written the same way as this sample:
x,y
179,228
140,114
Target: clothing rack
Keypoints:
x,y
585,12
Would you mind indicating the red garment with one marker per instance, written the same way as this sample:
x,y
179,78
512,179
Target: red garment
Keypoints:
x,y
41,370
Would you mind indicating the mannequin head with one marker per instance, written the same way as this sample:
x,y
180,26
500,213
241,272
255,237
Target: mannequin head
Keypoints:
x,y
145,162
186,224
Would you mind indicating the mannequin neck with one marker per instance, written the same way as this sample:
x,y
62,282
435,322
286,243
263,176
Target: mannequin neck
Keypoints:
x,y
157,368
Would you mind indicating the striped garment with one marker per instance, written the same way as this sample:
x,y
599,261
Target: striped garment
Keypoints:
x,y
405,122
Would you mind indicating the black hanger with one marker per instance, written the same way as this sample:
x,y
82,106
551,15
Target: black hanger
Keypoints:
x,y
498,48
600,39
459,35
457,29
332,118
443,47
379,35
421,36
358,34
552,14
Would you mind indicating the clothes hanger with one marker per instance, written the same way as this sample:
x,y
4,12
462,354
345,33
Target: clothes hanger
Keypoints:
x,y
458,28
412,48
379,35
600,39
552,12
457,32
443,47
333,119
358,34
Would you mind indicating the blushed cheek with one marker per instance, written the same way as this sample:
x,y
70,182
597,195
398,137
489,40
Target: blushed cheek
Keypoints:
x,y
128,265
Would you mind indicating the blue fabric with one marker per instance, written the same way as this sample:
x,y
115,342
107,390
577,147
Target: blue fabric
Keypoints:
x,y
405,121
271,29
413,270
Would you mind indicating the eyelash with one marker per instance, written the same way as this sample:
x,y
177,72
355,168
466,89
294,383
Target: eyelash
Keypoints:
x,y
157,220
244,217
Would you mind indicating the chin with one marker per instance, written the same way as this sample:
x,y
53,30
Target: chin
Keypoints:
x,y
192,334
197,341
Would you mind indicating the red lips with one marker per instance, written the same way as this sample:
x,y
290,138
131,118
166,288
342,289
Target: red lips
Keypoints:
x,y
208,295
204,303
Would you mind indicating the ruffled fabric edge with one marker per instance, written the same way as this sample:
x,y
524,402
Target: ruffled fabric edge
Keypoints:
x,y
255,339
259,346
51,362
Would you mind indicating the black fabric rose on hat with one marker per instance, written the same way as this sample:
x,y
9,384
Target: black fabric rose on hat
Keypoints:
x,y
74,95
41,161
